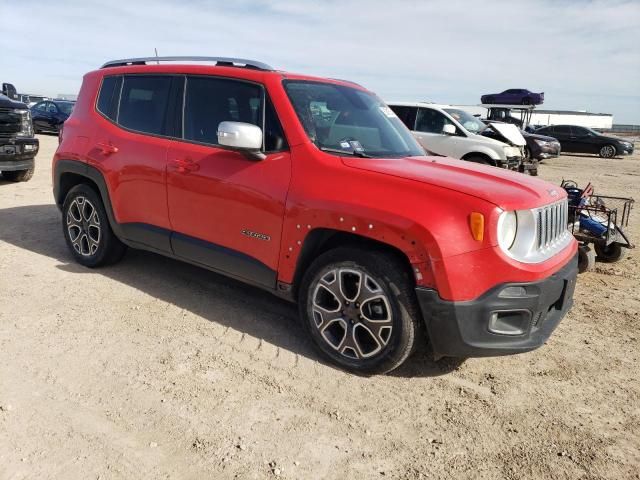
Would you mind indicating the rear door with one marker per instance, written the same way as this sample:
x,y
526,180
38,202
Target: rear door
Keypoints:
x,y
130,148
227,209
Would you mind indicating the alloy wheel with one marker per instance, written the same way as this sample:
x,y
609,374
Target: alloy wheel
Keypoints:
x,y
352,313
607,151
83,226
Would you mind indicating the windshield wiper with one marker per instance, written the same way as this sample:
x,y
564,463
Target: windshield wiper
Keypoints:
x,y
355,153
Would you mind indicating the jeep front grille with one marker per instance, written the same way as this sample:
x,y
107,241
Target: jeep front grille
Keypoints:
x,y
552,223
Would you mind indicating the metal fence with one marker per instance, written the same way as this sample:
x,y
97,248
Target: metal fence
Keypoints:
x,y
623,128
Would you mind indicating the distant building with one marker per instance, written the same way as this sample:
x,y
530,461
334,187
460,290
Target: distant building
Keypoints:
x,y
539,117
568,117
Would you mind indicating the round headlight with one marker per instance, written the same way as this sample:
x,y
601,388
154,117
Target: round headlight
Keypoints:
x,y
507,228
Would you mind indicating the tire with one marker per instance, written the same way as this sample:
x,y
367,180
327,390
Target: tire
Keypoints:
x,y
526,101
586,258
607,151
19,175
86,229
342,325
609,253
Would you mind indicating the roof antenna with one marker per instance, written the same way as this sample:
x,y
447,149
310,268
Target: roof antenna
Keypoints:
x,y
156,50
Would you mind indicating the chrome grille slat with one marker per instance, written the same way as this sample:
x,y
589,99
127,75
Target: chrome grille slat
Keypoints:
x,y
551,223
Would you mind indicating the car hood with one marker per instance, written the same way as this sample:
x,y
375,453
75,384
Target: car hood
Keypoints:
x,y
537,136
510,132
505,189
6,102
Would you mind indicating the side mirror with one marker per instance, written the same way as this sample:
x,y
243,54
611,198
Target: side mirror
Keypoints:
x,y
241,136
449,129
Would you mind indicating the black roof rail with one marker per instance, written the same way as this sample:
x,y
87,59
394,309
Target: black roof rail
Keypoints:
x,y
220,61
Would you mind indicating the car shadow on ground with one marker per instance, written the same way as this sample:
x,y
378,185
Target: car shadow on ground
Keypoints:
x,y
211,296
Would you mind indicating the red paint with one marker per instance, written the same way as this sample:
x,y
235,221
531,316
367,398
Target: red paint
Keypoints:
x,y
419,205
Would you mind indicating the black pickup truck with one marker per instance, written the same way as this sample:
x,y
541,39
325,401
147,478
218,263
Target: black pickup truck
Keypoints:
x,y
18,146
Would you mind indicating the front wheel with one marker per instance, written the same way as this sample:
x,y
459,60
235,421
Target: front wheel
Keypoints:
x,y
19,175
608,151
609,253
360,309
86,229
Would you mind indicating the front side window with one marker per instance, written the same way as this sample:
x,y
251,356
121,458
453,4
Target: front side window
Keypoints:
x,y
431,121
143,103
562,130
348,120
210,101
51,108
41,107
468,121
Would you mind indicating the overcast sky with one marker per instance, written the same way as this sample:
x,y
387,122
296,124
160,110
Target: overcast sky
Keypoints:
x,y
585,55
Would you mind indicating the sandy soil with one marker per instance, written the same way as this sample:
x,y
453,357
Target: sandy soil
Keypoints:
x,y
156,369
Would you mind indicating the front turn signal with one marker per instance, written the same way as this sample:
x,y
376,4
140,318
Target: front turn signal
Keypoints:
x,y
476,223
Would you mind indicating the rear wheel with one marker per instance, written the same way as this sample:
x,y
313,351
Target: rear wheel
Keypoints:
x,y
360,309
586,258
19,175
526,101
86,229
608,151
609,253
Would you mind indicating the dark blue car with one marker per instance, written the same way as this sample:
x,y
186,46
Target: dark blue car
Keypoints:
x,y
48,116
514,96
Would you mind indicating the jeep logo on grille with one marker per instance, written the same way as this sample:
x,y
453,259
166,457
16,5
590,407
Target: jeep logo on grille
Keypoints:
x,y
259,236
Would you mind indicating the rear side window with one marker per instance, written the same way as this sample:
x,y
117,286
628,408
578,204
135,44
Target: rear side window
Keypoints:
x,y
210,101
562,130
406,114
109,96
143,103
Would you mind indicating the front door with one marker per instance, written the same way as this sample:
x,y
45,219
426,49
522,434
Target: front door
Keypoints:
x,y
226,209
428,132
563,134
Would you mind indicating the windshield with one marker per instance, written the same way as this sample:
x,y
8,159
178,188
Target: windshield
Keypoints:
x,y
468,121
65,107
350,120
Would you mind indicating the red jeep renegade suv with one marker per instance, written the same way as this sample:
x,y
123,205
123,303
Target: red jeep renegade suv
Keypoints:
x,y
313,189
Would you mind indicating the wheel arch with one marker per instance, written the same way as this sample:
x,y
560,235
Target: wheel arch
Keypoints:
x,y
481,154
321,240
69,173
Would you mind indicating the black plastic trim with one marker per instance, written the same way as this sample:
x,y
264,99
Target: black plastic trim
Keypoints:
x,y
143,236
460,329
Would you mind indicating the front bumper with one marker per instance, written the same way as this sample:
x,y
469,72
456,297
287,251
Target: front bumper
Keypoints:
x,y
18,153
511,163
549,151
470,328
626,150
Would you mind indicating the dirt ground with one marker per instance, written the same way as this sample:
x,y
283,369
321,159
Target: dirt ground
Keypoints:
x,y
157,369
